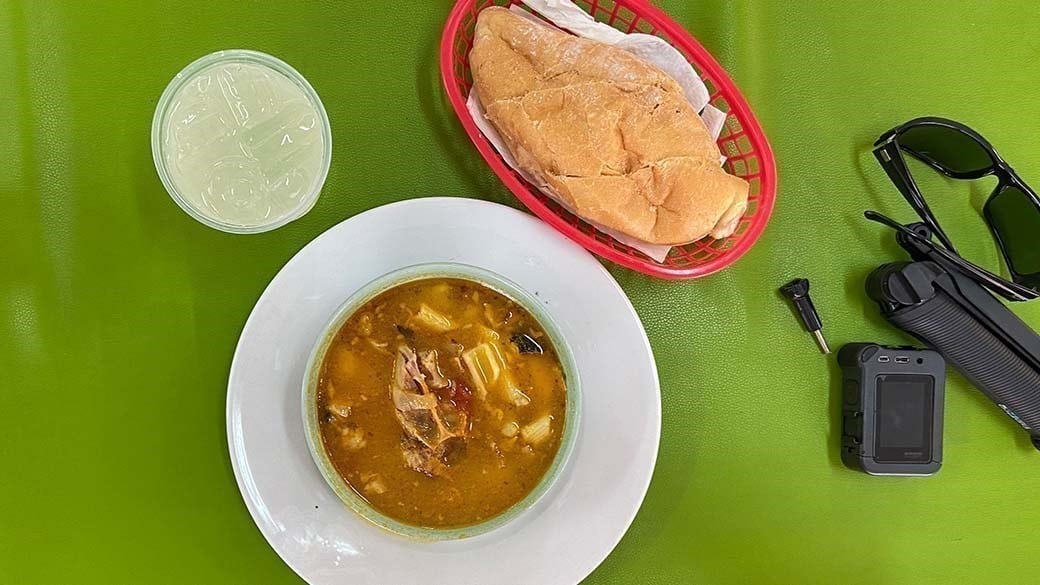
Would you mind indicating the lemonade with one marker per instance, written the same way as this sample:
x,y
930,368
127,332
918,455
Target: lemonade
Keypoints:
x,y
243,144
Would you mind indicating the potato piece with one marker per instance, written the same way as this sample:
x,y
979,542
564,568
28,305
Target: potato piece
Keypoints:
x,y
470,314
511,429
433,319
375,485
352,438
441,291
345,364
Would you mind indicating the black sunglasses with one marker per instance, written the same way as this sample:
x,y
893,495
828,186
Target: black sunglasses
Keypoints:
x,y
1012,211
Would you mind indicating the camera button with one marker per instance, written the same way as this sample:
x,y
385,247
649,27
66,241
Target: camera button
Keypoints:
x,y
854,425
850,392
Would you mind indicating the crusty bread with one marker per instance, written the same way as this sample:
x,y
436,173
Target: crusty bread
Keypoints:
x,y
611,135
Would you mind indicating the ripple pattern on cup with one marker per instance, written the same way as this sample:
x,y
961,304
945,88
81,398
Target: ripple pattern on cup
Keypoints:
x,y
243,143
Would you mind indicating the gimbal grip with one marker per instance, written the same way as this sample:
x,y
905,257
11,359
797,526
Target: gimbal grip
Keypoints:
x,y
980,356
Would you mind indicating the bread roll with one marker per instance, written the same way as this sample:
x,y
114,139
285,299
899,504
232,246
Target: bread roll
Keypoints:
x,y
611,135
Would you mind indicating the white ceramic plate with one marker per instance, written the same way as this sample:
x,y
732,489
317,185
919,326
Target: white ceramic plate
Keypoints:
x,y
583,515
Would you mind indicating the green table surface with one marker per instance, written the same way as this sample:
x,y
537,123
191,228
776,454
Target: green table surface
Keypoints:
x,y
119,313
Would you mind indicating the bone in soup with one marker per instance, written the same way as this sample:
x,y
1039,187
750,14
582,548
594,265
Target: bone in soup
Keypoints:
x,y
441,402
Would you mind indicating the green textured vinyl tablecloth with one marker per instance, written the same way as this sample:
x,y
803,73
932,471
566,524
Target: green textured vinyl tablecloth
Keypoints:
x,y
119,313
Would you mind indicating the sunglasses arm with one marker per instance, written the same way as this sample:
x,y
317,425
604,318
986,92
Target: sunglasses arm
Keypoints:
x,y
891,159
924,249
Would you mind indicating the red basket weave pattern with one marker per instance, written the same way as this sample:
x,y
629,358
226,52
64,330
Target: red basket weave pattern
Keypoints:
x,y
742,140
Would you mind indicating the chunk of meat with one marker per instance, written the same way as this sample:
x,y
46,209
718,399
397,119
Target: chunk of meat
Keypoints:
x,y
420,458
422,416
430,367
432,462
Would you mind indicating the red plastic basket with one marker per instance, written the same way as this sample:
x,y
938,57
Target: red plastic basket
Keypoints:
x,y
741,141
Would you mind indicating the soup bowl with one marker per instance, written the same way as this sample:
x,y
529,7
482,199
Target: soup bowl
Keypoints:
x,y
486,278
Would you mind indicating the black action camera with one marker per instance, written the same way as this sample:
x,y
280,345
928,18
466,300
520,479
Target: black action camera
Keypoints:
x,y
892,409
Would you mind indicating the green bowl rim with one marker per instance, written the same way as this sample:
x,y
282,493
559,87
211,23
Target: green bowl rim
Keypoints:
x,y
413,273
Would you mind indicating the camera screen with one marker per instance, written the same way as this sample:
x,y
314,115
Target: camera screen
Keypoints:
x,y
904,417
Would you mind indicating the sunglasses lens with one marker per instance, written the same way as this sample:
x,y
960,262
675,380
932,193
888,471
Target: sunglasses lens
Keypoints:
x,y
1015,217
947,147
